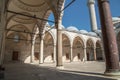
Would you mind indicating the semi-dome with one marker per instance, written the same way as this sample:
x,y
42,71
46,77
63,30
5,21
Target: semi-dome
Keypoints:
x,y
83,31
92,34
72,28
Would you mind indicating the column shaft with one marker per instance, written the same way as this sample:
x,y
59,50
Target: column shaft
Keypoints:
x,y
2,36
32,51
41,51
95,56
71,54
85,54
59,48
2,30
54,53
109,38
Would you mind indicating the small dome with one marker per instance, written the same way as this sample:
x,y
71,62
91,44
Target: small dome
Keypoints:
x,y
98,31
117,25
60,26
92,34
83,31
72,28
115,18
47,24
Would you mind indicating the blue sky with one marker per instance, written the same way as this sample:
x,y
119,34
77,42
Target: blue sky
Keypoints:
x,y
77,14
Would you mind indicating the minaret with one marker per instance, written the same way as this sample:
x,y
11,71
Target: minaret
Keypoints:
x,y
91,6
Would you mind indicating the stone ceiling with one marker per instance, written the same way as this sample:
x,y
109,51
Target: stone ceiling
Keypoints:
x,y
34,8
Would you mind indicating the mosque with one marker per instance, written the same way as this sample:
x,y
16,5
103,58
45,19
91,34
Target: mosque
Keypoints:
x,y
26,36
77,45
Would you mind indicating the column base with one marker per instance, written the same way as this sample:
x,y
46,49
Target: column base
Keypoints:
x,y
71,61
2,72
40,63
60,67
1,75
112,73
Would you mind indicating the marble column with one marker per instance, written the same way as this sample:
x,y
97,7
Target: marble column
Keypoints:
x,y
58,20
1,30
91,6
59,48
32,50
109,39
41,49
2,36
59,51
54,54
71,53
85,54
95,56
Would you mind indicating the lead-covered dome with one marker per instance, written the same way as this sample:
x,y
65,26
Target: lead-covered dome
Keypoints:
x,y
92,34
83,31
60,26
72,28
115,19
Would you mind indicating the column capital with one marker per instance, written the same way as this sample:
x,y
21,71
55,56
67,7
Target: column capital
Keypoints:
x,y
90,2
54,44
105,0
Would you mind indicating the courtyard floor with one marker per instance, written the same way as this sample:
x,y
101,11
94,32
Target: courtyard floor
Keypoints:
x,y
47,71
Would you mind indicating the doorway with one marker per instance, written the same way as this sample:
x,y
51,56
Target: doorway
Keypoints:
x,y
15,55
36,55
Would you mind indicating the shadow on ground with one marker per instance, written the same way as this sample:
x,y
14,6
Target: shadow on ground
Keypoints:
x,y
22,71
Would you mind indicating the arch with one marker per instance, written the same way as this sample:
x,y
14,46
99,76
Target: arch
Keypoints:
x,y
99,54
37,48
42,24
19,19
90,50
52,35
48,47
66,48
21,46
78,49
19,25
19,28
118,43
68,36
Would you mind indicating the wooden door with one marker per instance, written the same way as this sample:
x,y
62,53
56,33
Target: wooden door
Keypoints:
x,y
67,56
36,55
15,55
88,57
78,56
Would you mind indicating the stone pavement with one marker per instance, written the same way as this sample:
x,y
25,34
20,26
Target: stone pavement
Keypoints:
x,y
47,71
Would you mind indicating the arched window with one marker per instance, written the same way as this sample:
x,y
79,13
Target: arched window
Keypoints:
x,y
16,38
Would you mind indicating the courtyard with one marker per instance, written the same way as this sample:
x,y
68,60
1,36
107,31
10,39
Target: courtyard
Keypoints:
x,y
72,71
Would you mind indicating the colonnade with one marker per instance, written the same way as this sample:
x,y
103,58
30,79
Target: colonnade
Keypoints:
x,y
109,40
78,51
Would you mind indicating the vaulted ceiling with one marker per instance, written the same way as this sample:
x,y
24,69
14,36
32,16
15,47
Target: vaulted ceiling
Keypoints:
x,y
28,13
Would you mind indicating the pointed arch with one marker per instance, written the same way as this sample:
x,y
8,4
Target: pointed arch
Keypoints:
x,y
66,48
99,54
90,49
78,49
48,47
118,43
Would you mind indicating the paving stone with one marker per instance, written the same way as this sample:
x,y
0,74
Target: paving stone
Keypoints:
x,y
71,71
